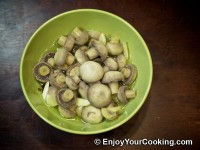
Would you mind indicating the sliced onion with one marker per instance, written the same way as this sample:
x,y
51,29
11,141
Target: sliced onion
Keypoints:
x,y
51,100
45,91
125,47
82,102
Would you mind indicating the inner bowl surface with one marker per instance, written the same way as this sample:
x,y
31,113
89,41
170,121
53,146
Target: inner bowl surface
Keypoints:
x,y
43,40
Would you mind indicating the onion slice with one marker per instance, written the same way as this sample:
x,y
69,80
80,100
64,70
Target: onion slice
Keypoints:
x,y
45,91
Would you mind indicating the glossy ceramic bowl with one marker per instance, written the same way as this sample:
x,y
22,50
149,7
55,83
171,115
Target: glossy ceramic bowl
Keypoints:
x,y
43,40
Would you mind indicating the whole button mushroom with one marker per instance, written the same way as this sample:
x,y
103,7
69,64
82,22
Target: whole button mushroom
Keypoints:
x,y
91,114
64,98
91,71
42,71
124,94
99,95
60,56
131,75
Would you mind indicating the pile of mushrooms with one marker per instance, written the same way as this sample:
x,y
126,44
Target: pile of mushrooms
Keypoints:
x,y
88,76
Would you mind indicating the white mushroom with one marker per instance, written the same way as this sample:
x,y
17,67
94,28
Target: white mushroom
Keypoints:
x,y
91,72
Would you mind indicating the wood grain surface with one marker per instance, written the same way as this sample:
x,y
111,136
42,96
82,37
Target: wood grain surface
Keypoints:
x,y
172,109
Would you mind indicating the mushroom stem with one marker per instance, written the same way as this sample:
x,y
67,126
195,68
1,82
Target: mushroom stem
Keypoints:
x,y
62,40
76,79
51,62
126,72
60,56
70,83
74,71
69,59
69,43
114,86
76,32
101,48
111,63
44,70
130,94
60,79
92,53
67,95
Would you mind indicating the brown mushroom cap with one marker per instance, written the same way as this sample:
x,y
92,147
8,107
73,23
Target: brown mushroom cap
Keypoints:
x,y
99,95
121,94
42,67
133,74
60,100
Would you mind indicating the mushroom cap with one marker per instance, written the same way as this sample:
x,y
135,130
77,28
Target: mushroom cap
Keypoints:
x,y
101,49
112,76
71,83
82,90
70,68
61,102
52,79
60,56
121,94
69,43
46,56
114,48
121,61
91,114
99,95
91,71
66,113
109,115
37,75
133,74
111,64
83,38
80,56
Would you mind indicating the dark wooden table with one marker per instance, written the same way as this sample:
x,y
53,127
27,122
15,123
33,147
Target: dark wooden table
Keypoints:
x,y
172,109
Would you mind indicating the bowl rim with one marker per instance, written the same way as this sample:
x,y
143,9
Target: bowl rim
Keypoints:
x,y
102,130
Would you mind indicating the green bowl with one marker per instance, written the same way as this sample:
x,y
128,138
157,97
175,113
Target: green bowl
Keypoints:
x,y
43,39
